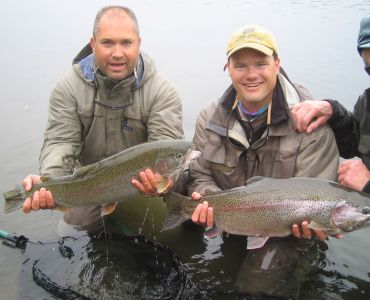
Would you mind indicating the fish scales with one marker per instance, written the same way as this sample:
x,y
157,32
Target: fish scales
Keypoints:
x,y
268,207
109,180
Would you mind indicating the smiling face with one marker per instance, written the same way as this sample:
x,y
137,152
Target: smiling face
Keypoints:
x,y
254,77
116,45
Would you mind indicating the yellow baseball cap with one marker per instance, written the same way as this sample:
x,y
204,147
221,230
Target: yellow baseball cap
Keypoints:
x,y
252,36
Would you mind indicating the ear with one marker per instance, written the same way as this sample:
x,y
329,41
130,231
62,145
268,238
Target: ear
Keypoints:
x,y
139,41
92,43
277,64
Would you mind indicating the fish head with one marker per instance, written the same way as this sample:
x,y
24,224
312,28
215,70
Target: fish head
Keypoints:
x,y
170,163
348,217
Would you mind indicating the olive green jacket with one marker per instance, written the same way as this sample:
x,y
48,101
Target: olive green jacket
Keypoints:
x,y
89,121
285,154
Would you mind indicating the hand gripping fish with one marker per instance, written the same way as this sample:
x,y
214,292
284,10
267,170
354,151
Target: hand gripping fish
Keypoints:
x,y
268,207
109,180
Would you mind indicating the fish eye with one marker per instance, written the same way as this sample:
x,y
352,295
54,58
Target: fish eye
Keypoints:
x,y
179,155
365,210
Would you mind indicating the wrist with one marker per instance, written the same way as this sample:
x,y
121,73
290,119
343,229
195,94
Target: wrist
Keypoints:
x,y
366,187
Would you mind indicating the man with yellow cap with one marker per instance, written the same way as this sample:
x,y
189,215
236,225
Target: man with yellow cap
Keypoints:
x,y
249,132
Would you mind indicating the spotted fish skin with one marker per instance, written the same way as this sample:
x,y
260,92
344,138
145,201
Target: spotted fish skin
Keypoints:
x,y
109,180
268,207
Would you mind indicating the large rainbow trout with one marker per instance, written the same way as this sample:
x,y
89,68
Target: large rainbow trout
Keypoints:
x,y
109,180
268,207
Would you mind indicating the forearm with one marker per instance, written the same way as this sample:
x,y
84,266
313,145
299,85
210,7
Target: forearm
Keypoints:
x,y
345,127
62,138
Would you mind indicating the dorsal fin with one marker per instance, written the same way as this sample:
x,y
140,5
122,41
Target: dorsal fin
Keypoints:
x,y
45,178
83,170
254,179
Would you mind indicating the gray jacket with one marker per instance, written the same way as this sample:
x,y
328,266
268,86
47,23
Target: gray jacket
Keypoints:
x,y
88,120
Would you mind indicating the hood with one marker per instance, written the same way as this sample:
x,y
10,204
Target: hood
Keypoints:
x,y
84,66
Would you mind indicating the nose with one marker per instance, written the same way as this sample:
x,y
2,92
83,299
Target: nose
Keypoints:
x,y
117,51
251,72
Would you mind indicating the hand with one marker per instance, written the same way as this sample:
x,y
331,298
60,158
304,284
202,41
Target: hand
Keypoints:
x,y
41,199
353,173
203,214
148,183
310,115
307,233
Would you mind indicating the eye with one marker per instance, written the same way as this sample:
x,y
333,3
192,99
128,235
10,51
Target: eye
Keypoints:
x,y
107,44
179,155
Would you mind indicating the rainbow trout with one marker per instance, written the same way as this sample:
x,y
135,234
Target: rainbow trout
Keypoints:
x,y
109,180
268,207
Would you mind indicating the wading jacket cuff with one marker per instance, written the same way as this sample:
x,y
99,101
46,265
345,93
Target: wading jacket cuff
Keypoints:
x,y
366,188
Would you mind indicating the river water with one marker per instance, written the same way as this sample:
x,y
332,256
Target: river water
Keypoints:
x,y
187,39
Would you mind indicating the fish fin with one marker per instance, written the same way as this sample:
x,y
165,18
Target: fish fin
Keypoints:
x,y
174,213
255,242
317,226
164,185
45,178
62,208
254,179
213,232
83,170
108,208
14,199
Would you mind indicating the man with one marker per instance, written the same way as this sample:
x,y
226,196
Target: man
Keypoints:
x,y
249,131
352,131
112,99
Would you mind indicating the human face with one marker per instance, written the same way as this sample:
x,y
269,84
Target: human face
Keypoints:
x,y
116,46
365,53
253,75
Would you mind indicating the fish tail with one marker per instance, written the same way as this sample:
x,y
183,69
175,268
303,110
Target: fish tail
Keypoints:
x,y
13,200
175,215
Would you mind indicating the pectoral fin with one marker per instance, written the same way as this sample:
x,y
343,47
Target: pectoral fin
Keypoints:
x,y
317,226
108,208
255,242
164,185
213,232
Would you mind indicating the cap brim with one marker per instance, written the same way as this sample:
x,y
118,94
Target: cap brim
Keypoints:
x,y
255,46
367,45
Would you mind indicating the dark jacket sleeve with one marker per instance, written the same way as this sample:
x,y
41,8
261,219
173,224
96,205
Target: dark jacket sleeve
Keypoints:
x,y
345,126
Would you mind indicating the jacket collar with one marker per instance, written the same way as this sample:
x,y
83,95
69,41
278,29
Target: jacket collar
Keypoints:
x,y
280,114
85,60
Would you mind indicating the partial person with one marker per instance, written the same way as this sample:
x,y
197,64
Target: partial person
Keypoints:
x,y
112,98
352,130
249,132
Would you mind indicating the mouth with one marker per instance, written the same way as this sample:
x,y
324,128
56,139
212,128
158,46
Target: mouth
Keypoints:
x,y
252,85
117,66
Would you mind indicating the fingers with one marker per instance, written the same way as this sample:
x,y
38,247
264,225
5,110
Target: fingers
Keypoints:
x,y
30,180
296,232
314,124
147,183
41,199
310,115
307,233
27,205
321,235
203,215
